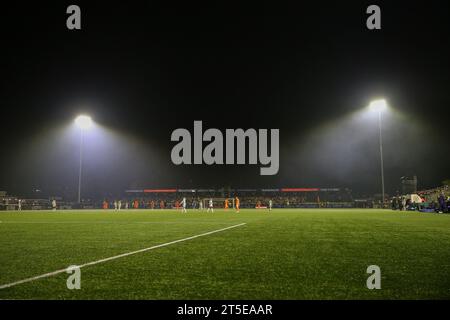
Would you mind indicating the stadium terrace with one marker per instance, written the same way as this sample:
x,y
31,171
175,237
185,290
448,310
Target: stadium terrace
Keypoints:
x,y
213,153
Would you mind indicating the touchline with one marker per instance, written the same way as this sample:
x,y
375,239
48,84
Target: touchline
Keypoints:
x,y
213,153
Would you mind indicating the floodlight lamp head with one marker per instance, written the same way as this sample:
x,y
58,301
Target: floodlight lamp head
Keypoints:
x,y
83,122
378,105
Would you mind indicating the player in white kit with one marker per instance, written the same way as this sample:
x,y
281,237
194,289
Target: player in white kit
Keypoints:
x,y
210,206
270,205
183,205
119,204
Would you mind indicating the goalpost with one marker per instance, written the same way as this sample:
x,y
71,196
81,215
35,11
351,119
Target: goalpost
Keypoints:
x,y
218,203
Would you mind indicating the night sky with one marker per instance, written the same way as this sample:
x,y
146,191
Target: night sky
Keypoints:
x,y
144,69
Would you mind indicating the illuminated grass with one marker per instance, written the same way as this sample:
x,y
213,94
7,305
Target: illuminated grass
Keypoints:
x,y
285,254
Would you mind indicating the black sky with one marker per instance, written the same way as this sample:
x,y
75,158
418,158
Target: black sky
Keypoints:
x,y
143,69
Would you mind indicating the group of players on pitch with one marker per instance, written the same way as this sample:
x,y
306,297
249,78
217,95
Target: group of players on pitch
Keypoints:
x,y
183,205
211,205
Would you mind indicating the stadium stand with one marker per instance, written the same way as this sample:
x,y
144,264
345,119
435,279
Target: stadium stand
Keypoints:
x,y
431,200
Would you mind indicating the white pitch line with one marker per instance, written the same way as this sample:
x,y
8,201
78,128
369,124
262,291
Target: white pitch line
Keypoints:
x,y
105,222
49,274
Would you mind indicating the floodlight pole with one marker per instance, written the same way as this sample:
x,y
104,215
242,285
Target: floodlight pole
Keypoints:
x,y
81,165
381,158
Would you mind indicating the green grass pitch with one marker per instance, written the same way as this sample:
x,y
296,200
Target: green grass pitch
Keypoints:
x,y
284,254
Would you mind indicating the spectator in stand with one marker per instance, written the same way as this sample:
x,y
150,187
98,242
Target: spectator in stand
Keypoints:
x,y
407,204
441,201
394,203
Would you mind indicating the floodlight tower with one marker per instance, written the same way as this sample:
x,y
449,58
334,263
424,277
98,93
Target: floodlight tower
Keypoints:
x,y
84,123
379,106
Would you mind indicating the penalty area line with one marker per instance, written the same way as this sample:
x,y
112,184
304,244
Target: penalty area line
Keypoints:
x,y
50,274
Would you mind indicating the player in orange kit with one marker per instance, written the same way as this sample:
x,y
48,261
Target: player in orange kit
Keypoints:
x,y
226,204
237,203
